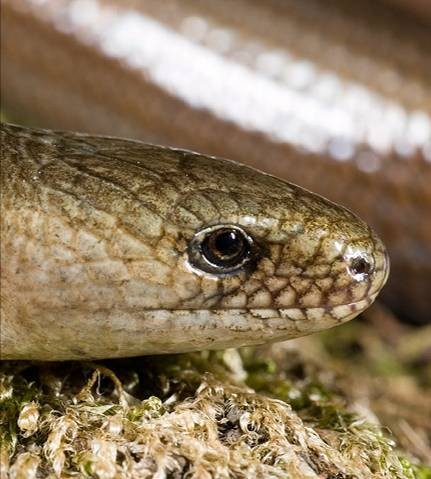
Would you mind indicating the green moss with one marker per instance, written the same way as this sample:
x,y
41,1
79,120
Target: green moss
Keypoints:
x,y
416,472
284,410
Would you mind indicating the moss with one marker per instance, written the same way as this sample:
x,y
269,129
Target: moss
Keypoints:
x,y
309,408
414,471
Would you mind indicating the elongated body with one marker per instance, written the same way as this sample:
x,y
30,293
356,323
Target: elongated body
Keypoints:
x,y
118,248
332,95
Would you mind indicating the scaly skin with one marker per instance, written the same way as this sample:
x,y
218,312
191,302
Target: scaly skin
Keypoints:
x,y
333,95
96,251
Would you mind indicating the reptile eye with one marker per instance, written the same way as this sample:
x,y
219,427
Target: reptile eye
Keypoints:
x,y
360,266
225,247
222,250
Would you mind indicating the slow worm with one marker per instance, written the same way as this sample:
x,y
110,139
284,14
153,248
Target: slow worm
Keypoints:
x,y
113,247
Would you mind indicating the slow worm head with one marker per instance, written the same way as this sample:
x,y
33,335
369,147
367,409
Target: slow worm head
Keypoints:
x,y
117,248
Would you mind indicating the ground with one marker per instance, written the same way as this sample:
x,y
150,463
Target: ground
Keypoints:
x,y
353,402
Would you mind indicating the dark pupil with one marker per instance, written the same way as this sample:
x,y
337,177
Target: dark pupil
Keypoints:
x,y
225,247
228,243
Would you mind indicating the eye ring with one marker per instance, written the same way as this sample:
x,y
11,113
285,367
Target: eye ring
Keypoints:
x,y
222,250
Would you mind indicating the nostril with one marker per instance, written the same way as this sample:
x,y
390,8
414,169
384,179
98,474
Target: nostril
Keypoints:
x,y
360,266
